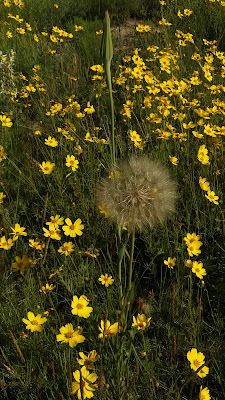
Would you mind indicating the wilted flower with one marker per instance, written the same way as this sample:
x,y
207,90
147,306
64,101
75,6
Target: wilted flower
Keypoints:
x,y
141,194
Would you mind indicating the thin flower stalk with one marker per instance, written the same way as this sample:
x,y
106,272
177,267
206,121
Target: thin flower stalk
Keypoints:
x,y
107,55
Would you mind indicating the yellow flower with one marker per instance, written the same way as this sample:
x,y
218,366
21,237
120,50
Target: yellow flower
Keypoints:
x,y
47,167
21,31
106,280
51,141
48,288
78,28
2,153
197,360
193,244
53,232
6,244
197,268
34,323
174,160
9,34
211,196
134,136
66,248
170,262
187,11
73,229
70,335
204,394
2,196
97,68
18,231
21,263
72,162
36,244
6,121
56,221
80,306
204,185
108,330
188,263
203,155
141,323
89,109
88,361
56,272
84,384
164,22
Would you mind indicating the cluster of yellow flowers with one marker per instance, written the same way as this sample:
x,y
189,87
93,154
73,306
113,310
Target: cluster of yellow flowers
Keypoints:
x,y
197,363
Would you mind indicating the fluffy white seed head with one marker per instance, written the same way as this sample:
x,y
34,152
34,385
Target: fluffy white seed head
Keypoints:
x,y
140,194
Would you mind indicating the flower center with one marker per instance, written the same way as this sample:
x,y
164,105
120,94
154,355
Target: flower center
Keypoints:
x,y
46,168
69,335
197,269
34,322
80,306
72,227
196,363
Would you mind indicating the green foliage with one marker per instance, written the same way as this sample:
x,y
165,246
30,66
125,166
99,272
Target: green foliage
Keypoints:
x,y
155,101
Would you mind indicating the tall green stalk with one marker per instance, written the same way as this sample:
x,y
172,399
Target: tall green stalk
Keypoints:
x,y
107,55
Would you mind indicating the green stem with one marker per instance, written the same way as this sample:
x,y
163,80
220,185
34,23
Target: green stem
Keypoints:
x,y
109,82
131,261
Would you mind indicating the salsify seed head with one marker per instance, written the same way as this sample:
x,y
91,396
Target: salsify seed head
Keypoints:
x,y
141,193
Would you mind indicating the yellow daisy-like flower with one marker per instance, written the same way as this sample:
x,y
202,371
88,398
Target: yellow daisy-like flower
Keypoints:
x,y
51,141
18,231
193,244
197,268
36,244
204,185
6,244
53,232
85,383
88,361
80,306
89,109
57,220
66,248
204,394
47,167
34,323
6,121
2,153
197,360
106,280
70,335
21,263
203,155
141,322
211,196
2,196
72,162
48,288
73,229
170,262
108,330
174,160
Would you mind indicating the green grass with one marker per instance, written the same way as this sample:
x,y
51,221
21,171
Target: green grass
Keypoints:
x,y
185,312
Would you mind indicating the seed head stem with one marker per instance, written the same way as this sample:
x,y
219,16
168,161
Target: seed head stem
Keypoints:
x,y
107,54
